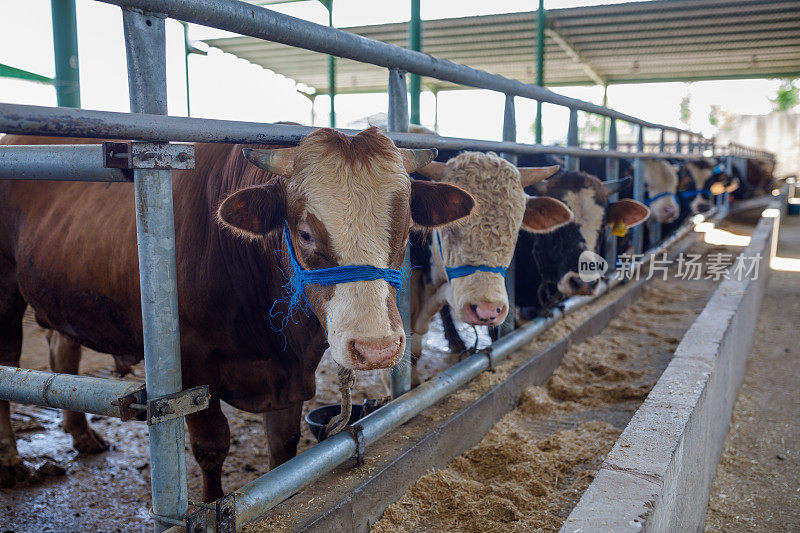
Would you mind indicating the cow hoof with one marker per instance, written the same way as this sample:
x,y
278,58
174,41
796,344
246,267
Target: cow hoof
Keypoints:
x,y
89,442
12,471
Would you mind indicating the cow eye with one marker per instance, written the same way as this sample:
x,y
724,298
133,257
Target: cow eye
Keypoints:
x,y
306,236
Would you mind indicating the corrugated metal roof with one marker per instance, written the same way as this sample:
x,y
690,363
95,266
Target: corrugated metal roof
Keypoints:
x,y
660,40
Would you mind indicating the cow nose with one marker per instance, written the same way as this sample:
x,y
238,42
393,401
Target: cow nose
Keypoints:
x,y
669,214
579,286
485,313
374,353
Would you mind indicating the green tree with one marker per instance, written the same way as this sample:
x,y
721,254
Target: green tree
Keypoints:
x,y
788,96
686,109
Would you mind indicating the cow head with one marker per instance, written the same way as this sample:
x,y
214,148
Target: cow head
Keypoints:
x,y
347,200
707,175
661,178
558,254
488,237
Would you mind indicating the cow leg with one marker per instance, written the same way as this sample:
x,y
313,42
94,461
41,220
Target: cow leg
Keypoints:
x,y
12,308
454,340
65,358
211,439
283,433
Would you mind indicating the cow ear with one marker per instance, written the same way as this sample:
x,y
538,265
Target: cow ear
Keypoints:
x,y
629,212
531,175
717,188
438,204
435,170
254,211
279,161
544,214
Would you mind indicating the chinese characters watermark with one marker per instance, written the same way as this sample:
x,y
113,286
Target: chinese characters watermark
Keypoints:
x,y
716,266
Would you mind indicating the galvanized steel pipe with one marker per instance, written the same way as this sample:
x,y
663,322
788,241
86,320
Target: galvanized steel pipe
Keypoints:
x,y
65,122
145,44
80,162
64,391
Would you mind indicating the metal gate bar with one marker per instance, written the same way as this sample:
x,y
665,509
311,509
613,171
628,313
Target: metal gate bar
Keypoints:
x,y
86,394
145,44
65,122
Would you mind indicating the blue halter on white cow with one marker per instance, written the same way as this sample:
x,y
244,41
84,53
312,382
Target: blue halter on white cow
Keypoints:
x,y
334,275
466,270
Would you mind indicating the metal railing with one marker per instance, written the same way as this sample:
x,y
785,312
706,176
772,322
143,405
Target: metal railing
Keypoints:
x,y
148,165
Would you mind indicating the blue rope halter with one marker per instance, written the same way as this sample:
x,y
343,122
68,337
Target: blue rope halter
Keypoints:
x,y
466,270
334,275
662,195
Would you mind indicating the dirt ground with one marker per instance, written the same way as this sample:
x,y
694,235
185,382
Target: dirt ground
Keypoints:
x,y
111,491
531,469
757,484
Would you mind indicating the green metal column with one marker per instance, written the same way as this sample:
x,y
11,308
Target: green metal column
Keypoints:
x,y
65,45
414,43
541,21
331,66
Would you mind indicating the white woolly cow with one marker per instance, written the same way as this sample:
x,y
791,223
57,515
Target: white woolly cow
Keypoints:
x,y
661,180
485,240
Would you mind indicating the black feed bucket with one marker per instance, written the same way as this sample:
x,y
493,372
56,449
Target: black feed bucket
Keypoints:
x,y
317,419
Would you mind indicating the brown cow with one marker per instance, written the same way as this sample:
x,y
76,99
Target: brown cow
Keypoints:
x,y
69,251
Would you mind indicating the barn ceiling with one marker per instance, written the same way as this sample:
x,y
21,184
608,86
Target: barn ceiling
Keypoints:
x,y
660,40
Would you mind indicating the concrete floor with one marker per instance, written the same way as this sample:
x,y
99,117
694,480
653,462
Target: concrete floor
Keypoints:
x,y
757,483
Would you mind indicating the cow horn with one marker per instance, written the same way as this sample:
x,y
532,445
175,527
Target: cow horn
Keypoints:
x,y
417,158
279,161
614,186
434,170
531,175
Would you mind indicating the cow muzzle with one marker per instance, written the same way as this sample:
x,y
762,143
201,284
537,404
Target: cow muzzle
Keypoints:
x,y
376,352
572,285
485,313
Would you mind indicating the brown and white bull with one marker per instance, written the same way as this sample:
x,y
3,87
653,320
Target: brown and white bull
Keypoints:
x,y
69,251
485,239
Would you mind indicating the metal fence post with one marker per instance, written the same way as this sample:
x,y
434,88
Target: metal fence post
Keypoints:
x,y
509,134
155,232
638,190
612,173
398,121
572,162
655,226
678,148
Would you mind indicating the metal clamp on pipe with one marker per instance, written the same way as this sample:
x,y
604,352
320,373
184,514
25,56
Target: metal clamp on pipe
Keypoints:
x,y
357,431
166,407
130,155
226,514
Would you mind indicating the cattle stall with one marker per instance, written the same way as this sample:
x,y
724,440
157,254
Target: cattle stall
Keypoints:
x,y
146,156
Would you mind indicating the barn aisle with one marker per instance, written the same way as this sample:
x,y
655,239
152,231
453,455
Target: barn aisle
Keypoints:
x,y
757,484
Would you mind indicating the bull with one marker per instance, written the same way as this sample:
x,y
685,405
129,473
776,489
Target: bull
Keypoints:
x,y
242,231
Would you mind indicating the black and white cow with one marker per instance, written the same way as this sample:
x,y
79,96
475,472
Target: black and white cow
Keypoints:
x,y
546,269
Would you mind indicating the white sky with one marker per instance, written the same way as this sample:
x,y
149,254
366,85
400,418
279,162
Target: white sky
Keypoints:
x,y
223,86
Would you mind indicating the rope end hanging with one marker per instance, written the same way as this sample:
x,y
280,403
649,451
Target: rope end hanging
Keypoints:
x,y
347,380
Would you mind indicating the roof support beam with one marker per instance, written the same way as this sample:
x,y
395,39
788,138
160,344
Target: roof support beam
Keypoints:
x,y
576,56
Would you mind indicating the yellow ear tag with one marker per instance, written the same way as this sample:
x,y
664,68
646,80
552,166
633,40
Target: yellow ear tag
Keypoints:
x,y
619,229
